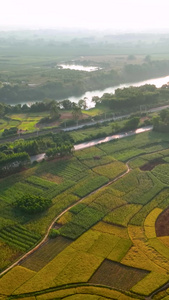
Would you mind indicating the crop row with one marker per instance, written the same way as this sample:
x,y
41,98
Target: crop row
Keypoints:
x,y
98,161
162,173
105,202
128,148
45,184
89,184
126,154
117,275
129,143
67,168
59,189
139,187
18,237
138,219
122,215
86,214
81,222
18,190
89,153
111,170
46,253
20,228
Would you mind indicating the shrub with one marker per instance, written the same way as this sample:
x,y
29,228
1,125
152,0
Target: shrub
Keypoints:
x,y
53,233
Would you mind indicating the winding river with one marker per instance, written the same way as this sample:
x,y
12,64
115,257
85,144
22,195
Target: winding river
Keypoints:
x,y
158,82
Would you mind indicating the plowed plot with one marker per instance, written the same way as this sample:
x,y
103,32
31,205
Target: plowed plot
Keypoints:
x,y
46,253
152,164
162,224
118,276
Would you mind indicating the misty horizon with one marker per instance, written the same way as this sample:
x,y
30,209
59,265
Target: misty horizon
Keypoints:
x,y
108,15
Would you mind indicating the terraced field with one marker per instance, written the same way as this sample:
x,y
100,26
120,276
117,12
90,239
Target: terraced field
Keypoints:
x,y
113,242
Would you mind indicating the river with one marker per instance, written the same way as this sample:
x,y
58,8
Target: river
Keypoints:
x,y
78,67
158,82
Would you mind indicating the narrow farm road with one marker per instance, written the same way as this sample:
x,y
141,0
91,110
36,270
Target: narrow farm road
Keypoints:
x,y
61,214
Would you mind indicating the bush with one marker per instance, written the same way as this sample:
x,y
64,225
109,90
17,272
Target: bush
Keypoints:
x,y
10,131
32,204
53,233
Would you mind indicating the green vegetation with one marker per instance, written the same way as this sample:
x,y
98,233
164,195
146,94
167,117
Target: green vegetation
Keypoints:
x,y
19,237
111,170
105,245
133,98
122,215
30,69
111,230
32,204
161,121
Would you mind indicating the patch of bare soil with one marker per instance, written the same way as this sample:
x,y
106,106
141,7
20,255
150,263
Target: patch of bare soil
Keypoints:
x,y
152,164
162,224
53,178
117,275
64,116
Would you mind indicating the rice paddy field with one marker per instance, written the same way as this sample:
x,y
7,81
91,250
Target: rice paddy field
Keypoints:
x,y
24,122
111,221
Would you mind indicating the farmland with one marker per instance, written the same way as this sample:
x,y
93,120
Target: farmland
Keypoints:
x,y
112,235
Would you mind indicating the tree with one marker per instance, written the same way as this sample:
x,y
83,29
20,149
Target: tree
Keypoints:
x,y
76,112
13,162
132,123
54,112
60,151
10,131
67,104
164,115
82,103
115,127
156,121
96,99
32,204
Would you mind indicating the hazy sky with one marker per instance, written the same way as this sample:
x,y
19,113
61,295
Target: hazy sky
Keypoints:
x,y
102,14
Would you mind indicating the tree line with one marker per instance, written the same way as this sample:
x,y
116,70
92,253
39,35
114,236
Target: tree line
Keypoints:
x,y
73,83
16,155
132,98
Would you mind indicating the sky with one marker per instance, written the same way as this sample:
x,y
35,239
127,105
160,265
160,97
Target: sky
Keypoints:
x,y
90,14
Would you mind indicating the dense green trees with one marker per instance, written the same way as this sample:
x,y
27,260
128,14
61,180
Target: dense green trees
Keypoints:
x,y
32,204
67,83
10,131
161,121
12,162
32,147
132,123
132,98
15,155
60,151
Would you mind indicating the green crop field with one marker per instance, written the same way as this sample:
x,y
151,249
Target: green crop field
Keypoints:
x,y
111,170
106,244
19,237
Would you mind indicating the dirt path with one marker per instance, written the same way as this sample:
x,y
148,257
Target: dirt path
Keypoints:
x,y
61,214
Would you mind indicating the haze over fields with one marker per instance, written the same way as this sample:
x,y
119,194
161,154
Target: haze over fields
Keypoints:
x,y
122,15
